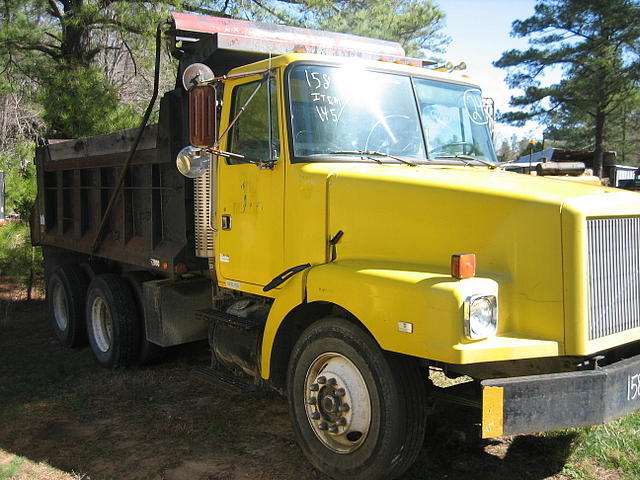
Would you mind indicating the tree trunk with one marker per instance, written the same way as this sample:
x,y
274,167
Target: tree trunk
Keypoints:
x,y
75,35
598,151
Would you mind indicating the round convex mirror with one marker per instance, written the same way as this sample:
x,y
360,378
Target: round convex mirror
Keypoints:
x,y
196,73
193,162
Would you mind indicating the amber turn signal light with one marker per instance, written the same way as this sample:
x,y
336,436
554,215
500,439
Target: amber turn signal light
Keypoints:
x,y
463,265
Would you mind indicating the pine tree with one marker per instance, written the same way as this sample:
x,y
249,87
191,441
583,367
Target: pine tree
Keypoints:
x,y
58,43
595,45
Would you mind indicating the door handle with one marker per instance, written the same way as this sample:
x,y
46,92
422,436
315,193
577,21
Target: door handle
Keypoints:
x,y
226,222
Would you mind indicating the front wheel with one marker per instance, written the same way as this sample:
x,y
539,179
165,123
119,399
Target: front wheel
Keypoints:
x,y
358,412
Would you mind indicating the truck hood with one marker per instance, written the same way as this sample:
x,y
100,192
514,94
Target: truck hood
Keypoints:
x,y
424,214
417,217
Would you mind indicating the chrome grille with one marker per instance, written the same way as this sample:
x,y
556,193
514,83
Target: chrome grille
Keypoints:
x,y
614,275
202,207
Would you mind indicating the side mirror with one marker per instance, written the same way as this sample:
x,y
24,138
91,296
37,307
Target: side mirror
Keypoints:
x,y
203,121
193,162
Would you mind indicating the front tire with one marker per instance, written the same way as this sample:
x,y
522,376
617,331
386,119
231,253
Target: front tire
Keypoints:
x,y
112,321
358,412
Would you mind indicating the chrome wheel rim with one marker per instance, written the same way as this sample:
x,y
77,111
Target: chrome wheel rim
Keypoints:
x,y
337,403
102,325
60,307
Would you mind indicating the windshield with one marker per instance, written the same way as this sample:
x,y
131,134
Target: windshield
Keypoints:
x,y
454,120
338,112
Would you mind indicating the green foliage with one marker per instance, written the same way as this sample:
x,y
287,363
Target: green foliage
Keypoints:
x,y
79,102
417,24
513,148
63,47
66,32
623,130
19,261
20,178
594,45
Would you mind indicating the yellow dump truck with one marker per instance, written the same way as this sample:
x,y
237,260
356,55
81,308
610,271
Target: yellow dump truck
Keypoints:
x,y
337,226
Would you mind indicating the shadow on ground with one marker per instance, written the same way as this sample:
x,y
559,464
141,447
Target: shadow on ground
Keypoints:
x,y
57,406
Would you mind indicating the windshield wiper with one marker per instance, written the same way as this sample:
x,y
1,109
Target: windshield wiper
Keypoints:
x,y
371,154
467,159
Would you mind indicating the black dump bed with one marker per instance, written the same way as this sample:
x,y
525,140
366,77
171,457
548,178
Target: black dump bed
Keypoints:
x,y
151,222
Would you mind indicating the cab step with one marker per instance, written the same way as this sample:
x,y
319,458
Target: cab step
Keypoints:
x,y
222,379
241,323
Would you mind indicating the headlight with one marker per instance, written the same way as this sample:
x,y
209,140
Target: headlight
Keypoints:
x,y
193,162
480,316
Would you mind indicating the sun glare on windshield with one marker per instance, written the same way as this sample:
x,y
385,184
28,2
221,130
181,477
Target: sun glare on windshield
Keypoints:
x,y
344,110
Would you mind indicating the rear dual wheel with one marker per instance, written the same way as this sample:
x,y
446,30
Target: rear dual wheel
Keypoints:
x,y
113,324
104,309
66,290
358,412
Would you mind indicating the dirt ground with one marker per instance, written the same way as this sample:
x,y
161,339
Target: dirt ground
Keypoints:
x,y
63,417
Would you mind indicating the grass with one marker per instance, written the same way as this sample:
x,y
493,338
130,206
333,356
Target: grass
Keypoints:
x,y
12,469
614,446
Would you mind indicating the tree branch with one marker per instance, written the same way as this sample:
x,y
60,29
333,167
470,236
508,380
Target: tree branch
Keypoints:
x,y
133,59
56,11
50,50
273,12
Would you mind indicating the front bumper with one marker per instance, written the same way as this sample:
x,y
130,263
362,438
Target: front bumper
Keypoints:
x,y
539,403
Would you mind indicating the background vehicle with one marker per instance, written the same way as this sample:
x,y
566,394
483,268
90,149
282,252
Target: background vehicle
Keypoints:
x,y
324,238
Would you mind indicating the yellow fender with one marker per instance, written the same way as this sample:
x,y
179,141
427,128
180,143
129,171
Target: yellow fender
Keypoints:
x,y
408,309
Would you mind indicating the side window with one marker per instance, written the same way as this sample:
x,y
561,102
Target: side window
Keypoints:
x,y
255,133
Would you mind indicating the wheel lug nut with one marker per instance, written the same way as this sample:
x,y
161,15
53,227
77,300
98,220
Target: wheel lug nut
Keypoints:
x,y
312,400
315,416
340,392
331,381
314,387
333,429
321,380
343,408
323,426
342,422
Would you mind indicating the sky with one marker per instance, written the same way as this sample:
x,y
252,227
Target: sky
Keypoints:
x,y
479,31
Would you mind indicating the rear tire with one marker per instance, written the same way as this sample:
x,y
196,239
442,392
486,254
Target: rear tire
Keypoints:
x,y
66,291
113,326
359,413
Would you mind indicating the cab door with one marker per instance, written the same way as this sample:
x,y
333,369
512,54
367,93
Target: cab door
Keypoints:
x,y
250,197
